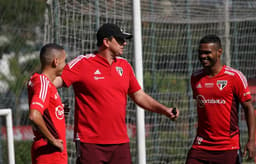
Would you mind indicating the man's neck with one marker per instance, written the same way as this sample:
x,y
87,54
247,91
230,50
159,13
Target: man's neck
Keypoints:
x,y
50,74
107,55
213,71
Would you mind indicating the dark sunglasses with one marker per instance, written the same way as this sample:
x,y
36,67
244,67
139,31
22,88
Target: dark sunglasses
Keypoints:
x,y
120,40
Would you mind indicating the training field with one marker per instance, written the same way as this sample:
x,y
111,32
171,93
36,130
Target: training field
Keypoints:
x,y
170,30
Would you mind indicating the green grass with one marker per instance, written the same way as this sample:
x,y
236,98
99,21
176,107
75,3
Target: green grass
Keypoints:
x,y
22,151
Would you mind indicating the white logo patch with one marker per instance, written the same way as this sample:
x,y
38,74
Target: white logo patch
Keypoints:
x,y
56,96
208,85
98,78
222,84
199,140
59,112
119,70
199,85
97,72
201,101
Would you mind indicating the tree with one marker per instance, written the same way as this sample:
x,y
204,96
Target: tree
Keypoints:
x,y
21,22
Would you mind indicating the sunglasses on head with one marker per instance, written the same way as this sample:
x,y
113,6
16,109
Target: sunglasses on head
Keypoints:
x,y
119,40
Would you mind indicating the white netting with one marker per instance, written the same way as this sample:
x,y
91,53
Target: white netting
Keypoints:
x,y
171,30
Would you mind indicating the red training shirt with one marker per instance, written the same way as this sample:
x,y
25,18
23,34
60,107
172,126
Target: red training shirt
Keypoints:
x,y
101,97
218,100
43,96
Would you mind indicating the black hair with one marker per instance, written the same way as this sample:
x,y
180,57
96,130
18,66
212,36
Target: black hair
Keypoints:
x,y
46,52
211,39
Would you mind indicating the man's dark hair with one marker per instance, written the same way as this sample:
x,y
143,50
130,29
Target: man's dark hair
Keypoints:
x,y
211,39
47,52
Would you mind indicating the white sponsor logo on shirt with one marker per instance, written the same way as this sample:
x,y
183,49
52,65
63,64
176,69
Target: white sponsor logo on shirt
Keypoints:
x,y
199,85
199,140
202,101
208,85
98,78
59,112
97,72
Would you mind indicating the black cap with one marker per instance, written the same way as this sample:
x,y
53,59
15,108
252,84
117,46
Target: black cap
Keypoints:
x,y
107,30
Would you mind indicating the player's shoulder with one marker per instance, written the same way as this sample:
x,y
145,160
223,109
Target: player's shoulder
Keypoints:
x,y
39,77
197,73
38,80
123,62
35,76
235,74
80,59
232,71
89,56
121,59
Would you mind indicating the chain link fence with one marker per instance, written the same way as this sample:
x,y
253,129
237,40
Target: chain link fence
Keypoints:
x,y
171,30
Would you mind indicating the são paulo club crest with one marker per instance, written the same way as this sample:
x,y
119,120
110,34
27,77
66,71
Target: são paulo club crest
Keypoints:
x,y
222,84
119,70
59,112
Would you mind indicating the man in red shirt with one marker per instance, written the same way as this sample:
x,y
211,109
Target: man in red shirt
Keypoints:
x,y
46,110
101,82
252,88
218,90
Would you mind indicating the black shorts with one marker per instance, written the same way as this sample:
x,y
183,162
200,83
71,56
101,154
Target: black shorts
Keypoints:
x,y
102,154
213,157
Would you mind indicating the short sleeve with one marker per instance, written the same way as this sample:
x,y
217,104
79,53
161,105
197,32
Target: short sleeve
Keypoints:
x,y
71,72
133,83
241,87
41,94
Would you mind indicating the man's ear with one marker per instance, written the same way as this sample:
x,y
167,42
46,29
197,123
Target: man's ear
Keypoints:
x,y
219,51
54,62
106,42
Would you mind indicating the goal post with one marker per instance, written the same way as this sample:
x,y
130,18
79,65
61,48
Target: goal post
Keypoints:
x,y
7,113
141,146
